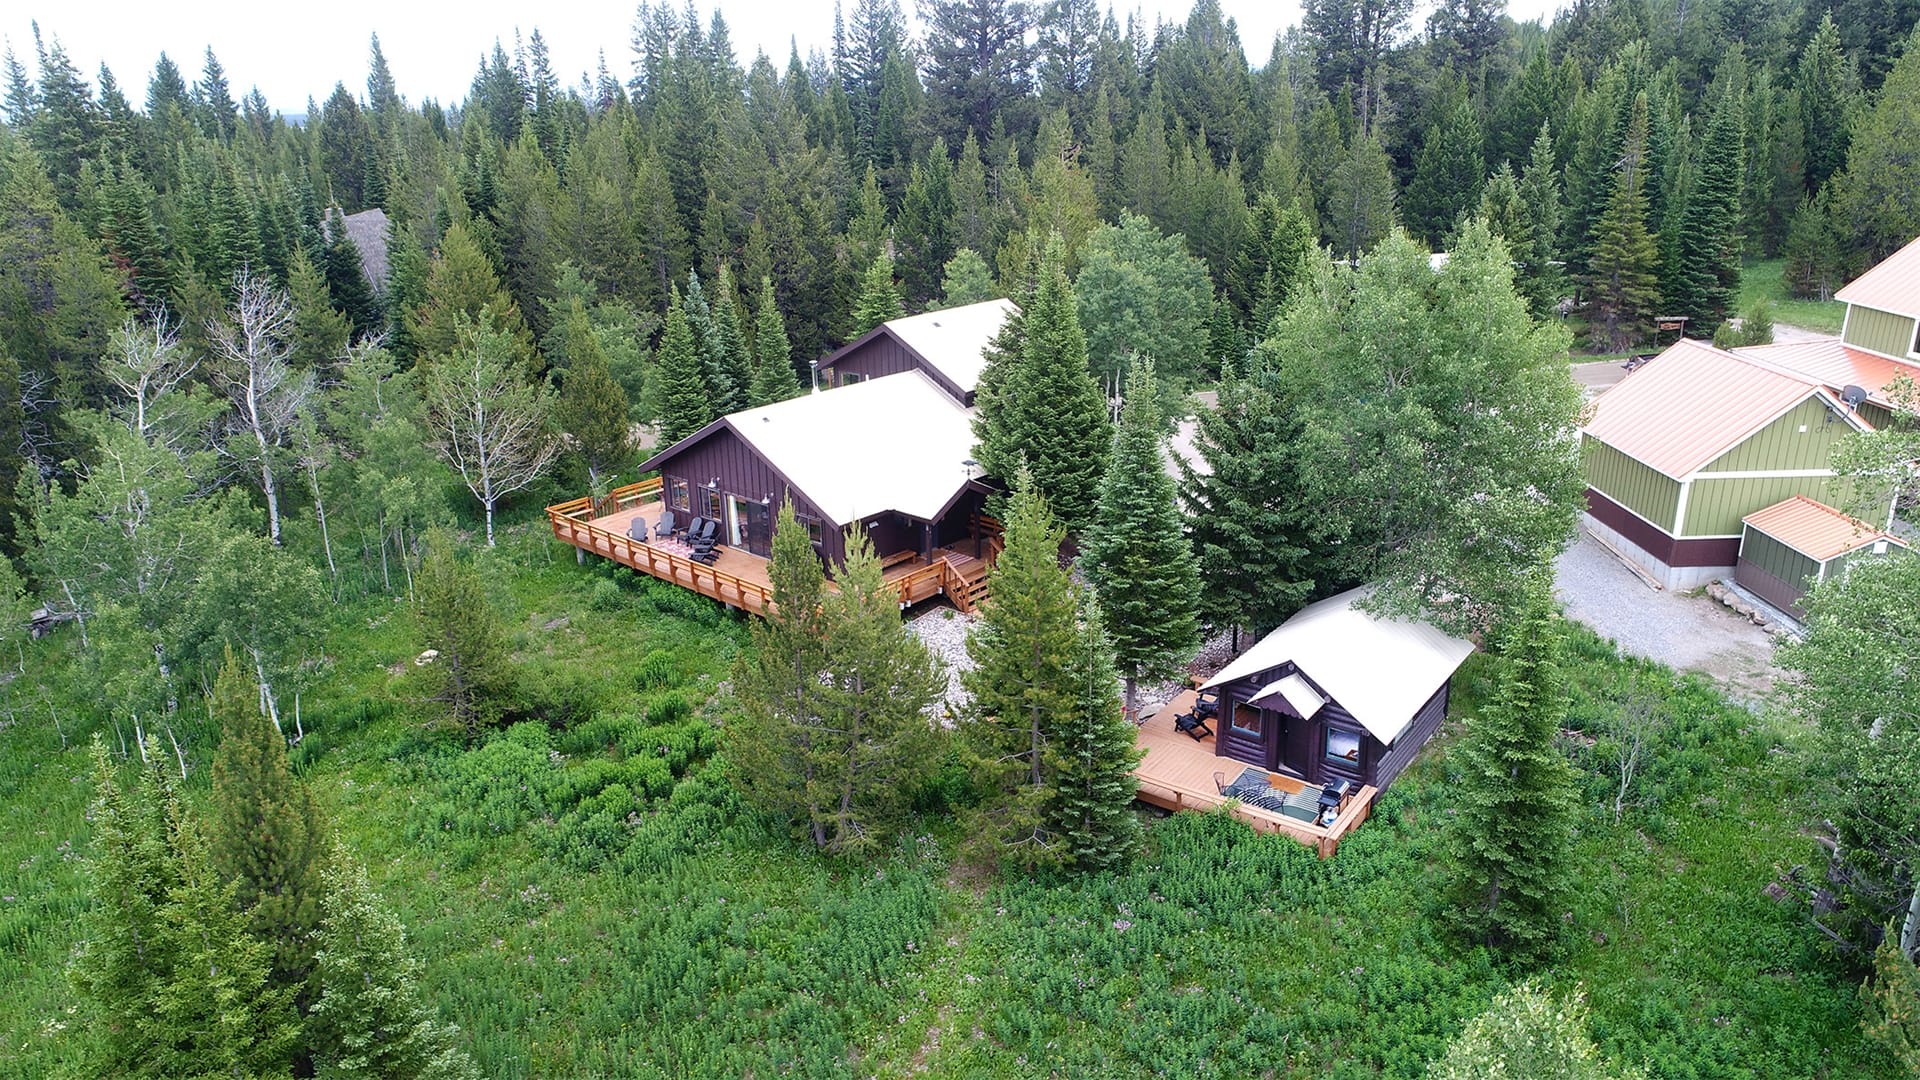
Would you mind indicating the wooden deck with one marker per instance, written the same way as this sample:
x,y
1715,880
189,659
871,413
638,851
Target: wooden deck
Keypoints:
x,y
1178,774
738,578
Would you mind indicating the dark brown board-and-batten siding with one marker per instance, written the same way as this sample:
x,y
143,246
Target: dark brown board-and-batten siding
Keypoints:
x,y
743,472
881,354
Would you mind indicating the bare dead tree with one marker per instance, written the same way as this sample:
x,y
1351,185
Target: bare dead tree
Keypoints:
x,y
148,365
314,453
489,423
252,347
1639,719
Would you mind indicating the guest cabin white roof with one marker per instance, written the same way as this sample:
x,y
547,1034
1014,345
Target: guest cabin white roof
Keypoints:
x,y
1380,670
892,444
954,340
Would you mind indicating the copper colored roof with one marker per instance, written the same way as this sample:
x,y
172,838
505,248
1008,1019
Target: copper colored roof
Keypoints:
x,y
1691,404
1835,364
1894,285
1815,529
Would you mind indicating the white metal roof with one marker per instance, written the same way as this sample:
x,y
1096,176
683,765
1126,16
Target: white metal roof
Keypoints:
x,y
1380,670
1305,699
955,340
896,443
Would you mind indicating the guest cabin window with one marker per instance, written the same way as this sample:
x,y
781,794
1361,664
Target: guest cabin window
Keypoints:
x,y
813,529
848,378
676,493
1246,719
1343,746
710,502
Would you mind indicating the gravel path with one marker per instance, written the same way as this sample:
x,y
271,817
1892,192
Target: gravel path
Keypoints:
x,y
1683,631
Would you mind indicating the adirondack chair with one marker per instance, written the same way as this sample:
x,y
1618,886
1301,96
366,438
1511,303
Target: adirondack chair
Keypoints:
x,y
707,538
637,529
666,526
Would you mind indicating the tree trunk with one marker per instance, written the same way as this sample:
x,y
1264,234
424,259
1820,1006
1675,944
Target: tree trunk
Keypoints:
x,y
1133,698
1910,930
272,495
320,515
489,504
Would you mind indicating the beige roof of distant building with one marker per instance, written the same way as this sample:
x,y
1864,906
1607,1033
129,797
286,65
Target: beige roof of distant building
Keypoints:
x,y
1893,285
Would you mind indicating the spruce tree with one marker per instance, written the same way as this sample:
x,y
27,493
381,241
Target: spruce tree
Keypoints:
x,y
879,296
1042,409
1622,260
1091,759
347,281
1512,838
773,378
966,280
1447,176
713,372
1709,238
319,335
372,1019
1135,554
266,830
472,673
592,407
780,696
1022,650
462,283
727,353
879,680
686,405
1539,275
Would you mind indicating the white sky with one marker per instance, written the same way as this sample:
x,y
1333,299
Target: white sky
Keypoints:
x,y
434,48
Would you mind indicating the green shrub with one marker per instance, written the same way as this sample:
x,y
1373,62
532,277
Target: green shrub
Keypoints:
x,y
659,668
606,595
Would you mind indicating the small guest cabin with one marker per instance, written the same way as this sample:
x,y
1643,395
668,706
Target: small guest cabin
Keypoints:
x,y
1336,693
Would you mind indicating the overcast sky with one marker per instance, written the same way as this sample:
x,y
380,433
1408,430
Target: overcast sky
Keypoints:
x,y
434,48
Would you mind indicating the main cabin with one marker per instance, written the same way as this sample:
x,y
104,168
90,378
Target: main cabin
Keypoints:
x,y
1685,448
883,445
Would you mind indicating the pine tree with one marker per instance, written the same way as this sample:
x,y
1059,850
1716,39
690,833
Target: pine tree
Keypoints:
x,y
1136,556
319,335
878,681
966,280
266,831
1042,409
879,296
1448,173
1360,198
727,353
372,1019
1709,240
472,674
461,284
134,240
1022,650
686,405
1824,99
1622,258
1091,759
779,691
1281,238
773,357
592,407
1512,837
1539,274
346,281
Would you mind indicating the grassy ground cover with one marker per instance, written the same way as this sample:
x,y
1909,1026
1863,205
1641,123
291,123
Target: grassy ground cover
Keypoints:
x,y
1761,280
590,899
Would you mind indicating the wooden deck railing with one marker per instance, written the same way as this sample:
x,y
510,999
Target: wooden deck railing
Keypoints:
x,y
570,521
1324,840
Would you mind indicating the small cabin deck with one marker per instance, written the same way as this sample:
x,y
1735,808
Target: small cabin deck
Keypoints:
x,y
737,577
1178,774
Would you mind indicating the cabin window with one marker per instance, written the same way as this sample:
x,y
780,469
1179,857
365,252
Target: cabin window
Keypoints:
x,y
848,378
813,529
710,502
676,493
1343,747
1246,719
1916,338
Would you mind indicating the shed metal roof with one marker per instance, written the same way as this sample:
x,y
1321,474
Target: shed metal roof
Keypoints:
x,y
1693,403
1835,364
1893,285
1380,670
1815,529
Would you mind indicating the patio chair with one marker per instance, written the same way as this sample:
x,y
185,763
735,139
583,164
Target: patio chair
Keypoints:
x,y
1207,705
1193,724
707,536
1220,782
666,526
637,529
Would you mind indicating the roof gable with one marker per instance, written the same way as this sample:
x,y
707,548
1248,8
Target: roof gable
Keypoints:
x,y
1835,365
1693,403
1892,285
954,341
1381,670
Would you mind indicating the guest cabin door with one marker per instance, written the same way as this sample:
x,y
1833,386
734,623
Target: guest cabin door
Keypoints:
x,y
749,526
1272,739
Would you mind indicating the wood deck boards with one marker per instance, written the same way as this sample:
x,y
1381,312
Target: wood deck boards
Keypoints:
x,y
1177,773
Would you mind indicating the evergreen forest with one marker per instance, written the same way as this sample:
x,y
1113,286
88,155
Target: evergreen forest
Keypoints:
x,y
321,756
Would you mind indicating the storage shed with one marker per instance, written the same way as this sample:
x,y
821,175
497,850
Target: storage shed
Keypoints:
x,y
1796,543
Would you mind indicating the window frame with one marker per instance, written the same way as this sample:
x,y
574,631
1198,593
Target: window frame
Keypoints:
x,y
712,503
678,496
1327,756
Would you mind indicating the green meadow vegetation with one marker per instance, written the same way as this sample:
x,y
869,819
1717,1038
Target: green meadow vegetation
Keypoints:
x,y
591,897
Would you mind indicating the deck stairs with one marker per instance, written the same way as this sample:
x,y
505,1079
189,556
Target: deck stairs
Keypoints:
x,y
967,580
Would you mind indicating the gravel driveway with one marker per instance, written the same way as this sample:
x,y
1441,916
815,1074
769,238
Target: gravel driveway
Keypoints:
x,y
1684,632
